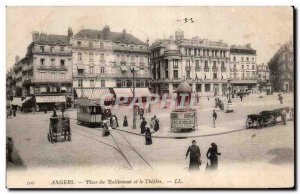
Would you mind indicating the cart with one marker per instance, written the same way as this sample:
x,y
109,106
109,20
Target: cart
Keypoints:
x,y
59,127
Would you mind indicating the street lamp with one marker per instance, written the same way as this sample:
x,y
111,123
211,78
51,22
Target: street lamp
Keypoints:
x,y
133,86
229,103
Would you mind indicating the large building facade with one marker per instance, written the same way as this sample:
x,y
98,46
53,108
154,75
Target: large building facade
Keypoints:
x,y
263,73
243,70
105,59
45,73
282,68
202,63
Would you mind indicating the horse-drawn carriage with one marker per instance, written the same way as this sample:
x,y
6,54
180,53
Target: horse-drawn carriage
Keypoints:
x,y
59,127
264,118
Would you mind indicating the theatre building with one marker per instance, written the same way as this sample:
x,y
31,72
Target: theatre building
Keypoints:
x,y
203,63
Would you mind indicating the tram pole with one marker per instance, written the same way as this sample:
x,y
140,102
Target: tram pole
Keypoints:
x,y
133,86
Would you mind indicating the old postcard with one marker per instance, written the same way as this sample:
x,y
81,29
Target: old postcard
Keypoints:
x,y
150,97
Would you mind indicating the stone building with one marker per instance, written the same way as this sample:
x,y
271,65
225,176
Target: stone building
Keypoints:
x,y
263,73
282,68
103,61
45,73
204,64
243,67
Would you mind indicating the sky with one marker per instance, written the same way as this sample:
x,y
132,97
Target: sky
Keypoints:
x,y
266,28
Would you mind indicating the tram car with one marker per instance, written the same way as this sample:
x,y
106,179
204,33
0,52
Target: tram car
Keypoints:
x,y
90,113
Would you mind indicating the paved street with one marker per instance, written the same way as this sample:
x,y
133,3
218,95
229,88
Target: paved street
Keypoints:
x,y
272,147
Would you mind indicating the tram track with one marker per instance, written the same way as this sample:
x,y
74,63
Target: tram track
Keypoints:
x,y
117,146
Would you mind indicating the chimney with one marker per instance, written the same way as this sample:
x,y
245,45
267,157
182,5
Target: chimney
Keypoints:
x,y
124,34
106,31
70,32
17,58
35,36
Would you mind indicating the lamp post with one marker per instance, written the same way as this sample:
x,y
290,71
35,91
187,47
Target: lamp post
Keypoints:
x,y
133,86
229,103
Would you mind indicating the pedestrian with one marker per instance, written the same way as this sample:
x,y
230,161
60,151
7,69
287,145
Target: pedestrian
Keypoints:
x,y
63,109
148,137
143,126
9,149
141,113
280,99
241,96
114,124
125,122
14,112
283,116
195,155
116,118
212,154
207,98
54,113
105,131
156,124
152,123
149,108
214,118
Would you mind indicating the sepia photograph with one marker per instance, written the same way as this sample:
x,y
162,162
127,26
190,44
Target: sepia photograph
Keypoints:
x,y
150,97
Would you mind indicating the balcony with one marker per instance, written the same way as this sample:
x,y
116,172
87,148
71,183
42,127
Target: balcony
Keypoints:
x,y
53,68
64,54
214,69
206,69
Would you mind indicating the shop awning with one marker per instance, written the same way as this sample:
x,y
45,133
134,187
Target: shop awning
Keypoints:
x,y
50,99
123,92
16,101
94,93
26,99
141,92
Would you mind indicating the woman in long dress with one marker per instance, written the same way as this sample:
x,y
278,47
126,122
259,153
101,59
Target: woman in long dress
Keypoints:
x,y
148,136
212,154
125,123
114,123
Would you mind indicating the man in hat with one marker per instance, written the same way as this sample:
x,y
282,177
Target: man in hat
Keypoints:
x,y
156,124
214,118
195,155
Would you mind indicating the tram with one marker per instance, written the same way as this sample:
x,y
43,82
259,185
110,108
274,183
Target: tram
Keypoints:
x,y
90,113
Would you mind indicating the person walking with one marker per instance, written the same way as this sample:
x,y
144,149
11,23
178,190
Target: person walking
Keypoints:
x,y
283,116
214,118
141,113
280,98
116,119
156,124
195,155
152,123
212,154
143,126
125,122
54,113
148,137
105,131
241,96
114,124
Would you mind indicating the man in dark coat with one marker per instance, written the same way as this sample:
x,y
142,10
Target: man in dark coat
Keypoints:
x,y
212,154
148,137
214,118
143,126
195,155
156,125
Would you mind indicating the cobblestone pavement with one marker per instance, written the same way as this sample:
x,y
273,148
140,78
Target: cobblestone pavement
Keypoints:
x,y
272,146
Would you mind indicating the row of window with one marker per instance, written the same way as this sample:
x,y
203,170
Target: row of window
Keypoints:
x,y
52,75
197,64
242,66
94,45
52,62
91,83
119,57
205,52
91,70
51,89
52,49
242,59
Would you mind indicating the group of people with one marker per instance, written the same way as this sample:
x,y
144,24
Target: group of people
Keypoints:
x,y
145,129
212,155
111,121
